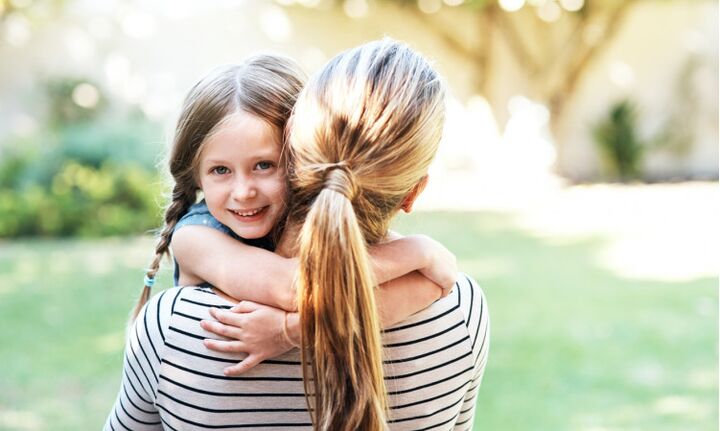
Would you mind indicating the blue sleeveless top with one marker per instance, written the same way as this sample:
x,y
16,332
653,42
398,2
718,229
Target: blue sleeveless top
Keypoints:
x,y
199,215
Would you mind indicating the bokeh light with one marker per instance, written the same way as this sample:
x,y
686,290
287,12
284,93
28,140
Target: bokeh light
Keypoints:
x,y
430,6
572,5
511,5
86,95
356,8
549,11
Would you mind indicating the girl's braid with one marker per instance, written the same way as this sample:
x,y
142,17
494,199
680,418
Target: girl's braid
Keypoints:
x,y
182,198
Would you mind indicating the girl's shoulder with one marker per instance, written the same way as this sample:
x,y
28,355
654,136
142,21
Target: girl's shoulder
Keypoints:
x,y
199,215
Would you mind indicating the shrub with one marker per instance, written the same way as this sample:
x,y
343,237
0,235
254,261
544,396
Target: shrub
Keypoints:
x,y
619,143
85,171
111,199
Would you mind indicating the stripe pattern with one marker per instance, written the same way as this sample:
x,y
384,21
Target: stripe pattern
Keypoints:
x,y
434,363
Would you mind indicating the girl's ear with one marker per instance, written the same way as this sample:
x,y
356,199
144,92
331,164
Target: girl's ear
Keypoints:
x,y
409,200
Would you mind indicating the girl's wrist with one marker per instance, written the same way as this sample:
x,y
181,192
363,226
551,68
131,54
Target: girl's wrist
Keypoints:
x,y
291,328
423,252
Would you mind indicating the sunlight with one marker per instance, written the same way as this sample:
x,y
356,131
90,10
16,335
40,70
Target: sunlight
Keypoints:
x,y
489,267
80,46
682,406
549,11
17,29
356,8
511,5
275,23
85,95
478,167
429,6
621,74
644,236
21,420
572,5
110,343
138,25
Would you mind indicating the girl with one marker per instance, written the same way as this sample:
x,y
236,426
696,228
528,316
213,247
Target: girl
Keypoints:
x,y
228,145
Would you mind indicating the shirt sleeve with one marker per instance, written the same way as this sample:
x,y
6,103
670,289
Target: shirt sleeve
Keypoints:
x,y
477,319
135,407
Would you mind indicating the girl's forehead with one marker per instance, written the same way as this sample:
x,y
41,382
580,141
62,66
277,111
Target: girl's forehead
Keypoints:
x,y
241,136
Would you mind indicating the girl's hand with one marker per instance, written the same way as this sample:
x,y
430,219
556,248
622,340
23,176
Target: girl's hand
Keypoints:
x,y
256,329
441,264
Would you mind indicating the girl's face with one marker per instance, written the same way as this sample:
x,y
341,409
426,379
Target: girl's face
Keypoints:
x,y
241,176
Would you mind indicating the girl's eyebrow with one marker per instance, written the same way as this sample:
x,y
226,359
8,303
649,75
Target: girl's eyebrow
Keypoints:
x,y
265,154
214,162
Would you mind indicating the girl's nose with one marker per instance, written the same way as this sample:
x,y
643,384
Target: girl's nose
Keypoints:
x,y
244,190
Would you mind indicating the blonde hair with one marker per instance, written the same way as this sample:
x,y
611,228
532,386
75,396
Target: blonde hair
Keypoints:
x,y
362,135
264,85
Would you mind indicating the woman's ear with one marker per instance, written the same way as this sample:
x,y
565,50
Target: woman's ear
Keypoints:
x,y
409,200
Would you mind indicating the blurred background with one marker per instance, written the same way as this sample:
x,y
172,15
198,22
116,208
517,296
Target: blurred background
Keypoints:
x,y
576,181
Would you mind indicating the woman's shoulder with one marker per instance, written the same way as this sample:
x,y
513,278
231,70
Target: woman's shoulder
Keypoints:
x,y
156,317
474,306
469,295
168,301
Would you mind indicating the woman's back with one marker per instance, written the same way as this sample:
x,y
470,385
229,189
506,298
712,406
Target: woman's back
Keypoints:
x,y
433,366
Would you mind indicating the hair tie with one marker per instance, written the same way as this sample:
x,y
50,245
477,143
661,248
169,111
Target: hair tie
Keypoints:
x,y
149,281
340,178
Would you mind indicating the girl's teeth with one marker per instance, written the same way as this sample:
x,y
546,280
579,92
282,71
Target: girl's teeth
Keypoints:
x,y
248,213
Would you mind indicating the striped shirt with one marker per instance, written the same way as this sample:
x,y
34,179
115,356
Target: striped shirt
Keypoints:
x,y
434,363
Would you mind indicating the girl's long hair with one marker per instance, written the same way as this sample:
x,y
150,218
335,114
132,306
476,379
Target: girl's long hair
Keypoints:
x,y
362,135
264,85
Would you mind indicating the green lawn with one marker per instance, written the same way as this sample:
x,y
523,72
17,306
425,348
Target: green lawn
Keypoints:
x,y
574,347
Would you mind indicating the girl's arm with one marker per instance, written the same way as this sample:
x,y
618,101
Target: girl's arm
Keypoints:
x,y
240,270
265,332
251,273
403,255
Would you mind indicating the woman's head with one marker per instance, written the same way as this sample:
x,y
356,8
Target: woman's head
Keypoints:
x,y
228,140
361,139
376,112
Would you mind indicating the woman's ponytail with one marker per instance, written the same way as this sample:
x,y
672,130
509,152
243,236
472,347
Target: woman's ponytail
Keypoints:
x,y
362,135
341,328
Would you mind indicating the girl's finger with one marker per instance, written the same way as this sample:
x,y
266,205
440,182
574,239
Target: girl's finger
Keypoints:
x,y
244,307
227,317
225,346
217,328
243,366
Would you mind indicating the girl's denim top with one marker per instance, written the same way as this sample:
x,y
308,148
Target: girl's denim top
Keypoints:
x,y
199,215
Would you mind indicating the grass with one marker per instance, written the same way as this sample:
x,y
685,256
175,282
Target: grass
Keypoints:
x,y
574,346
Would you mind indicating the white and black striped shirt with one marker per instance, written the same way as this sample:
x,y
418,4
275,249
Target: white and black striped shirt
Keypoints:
x,y
433,368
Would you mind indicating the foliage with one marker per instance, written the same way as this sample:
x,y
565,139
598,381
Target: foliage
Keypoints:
x,y
617,138
81,200
62,108
87,172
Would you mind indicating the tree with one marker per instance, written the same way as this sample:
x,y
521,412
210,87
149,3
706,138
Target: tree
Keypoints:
x,y
552,42
554,50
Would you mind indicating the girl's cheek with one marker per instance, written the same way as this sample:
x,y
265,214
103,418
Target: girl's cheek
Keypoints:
x,y
277,187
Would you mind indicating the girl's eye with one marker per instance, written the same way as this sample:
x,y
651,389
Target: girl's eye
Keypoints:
x,y
264,165
220,170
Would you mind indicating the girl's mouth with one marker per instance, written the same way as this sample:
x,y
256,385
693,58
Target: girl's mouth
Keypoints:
x,y
249,215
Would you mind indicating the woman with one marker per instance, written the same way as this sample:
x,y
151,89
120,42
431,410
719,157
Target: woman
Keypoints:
x,y
362,136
